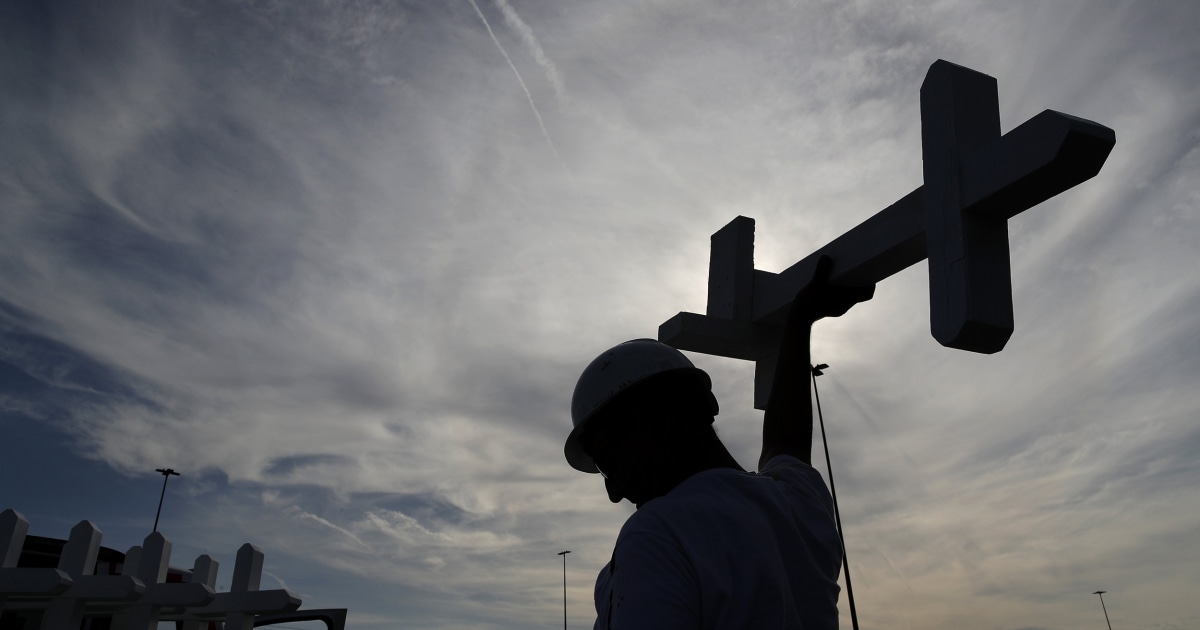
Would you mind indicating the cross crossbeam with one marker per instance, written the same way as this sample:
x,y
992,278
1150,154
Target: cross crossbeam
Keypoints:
x,y
975,180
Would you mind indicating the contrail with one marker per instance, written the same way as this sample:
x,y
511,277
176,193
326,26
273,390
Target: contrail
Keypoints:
x,y
515,22
296,512
528,96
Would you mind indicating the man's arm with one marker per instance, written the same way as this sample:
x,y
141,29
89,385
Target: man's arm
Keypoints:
x,y
787,423
652,585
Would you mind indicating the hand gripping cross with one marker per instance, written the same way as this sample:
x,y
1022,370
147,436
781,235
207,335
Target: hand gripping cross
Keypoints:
x,y
975,180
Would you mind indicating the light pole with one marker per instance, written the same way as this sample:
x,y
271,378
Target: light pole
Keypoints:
x,y
837,515
166,473
1101,594
564,555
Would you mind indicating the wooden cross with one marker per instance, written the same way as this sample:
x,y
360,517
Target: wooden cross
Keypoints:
x,y
975,180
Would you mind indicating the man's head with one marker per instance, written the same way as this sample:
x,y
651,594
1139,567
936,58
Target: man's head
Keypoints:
x,y
639,410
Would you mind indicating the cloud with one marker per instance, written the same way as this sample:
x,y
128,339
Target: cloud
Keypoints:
x,y
319,258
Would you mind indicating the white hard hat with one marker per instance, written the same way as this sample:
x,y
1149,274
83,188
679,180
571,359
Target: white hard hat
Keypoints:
x,y
615,371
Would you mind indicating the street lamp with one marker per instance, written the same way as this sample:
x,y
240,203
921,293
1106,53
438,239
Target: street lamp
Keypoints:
x,y
1101,594
564,555
166,473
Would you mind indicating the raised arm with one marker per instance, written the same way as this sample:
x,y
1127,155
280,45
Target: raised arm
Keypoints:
x,y
788,422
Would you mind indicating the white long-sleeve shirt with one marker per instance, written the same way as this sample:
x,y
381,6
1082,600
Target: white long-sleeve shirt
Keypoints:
x,y
726,550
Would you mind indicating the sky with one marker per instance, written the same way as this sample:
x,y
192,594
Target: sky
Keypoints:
x,y
340,264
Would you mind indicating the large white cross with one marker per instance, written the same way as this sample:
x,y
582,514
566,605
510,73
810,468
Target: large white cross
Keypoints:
x,y
975,180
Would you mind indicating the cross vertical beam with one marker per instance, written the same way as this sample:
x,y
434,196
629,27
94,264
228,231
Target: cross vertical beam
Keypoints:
x,y
968,252
731,271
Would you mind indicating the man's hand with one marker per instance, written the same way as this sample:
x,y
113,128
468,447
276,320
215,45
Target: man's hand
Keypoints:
x,y
819,299
787,423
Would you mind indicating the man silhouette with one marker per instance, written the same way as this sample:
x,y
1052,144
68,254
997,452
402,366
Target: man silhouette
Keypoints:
x,y
711,545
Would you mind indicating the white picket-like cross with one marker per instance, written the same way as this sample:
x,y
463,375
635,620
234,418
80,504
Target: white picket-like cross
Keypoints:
x,y
975,180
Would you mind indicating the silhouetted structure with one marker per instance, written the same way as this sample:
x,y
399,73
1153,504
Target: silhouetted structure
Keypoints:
x,y
564,557
55,585
1102,607
817,370
166,473
975,180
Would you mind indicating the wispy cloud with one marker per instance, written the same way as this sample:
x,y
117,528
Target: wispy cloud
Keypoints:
x,y
526,36
514,21
318,258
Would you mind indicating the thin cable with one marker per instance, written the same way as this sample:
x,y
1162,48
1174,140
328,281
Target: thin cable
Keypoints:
x,y
836,513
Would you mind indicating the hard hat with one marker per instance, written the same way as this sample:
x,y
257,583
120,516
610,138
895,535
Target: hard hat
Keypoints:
x,y
616,370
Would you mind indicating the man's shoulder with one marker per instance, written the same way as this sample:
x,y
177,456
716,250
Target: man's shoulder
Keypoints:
x,y
785,462
701,493
788,467
799,477
784,480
